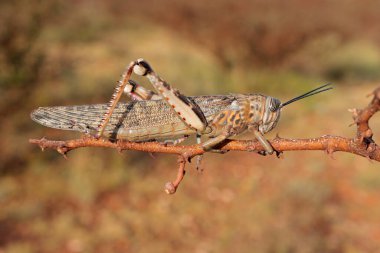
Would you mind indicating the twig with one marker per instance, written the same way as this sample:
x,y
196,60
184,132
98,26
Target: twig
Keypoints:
x,y
171,187
362,144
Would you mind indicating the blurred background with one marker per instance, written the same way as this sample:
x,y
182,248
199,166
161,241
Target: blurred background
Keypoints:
x,y
73,52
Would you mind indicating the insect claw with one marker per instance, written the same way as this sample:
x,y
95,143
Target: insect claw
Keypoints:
x,y
279,154
199,162
262,152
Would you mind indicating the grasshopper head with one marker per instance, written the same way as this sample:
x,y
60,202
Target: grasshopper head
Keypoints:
x,y
271,114
273,108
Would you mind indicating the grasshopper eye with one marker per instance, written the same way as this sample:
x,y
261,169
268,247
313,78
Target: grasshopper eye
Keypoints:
x,y
274,104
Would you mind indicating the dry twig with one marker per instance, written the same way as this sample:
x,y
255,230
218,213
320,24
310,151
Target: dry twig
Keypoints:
x,y
362,144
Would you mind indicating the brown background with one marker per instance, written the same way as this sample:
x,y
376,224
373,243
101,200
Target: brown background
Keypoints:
x,y
72,52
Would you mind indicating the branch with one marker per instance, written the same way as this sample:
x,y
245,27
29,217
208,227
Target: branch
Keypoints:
x,y
362,144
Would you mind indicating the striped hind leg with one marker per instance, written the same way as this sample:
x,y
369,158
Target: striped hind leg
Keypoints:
x,y
132,89
115,98
187,110
138,93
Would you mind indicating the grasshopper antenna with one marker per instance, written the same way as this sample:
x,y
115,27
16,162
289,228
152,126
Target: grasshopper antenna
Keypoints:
x,y
320,89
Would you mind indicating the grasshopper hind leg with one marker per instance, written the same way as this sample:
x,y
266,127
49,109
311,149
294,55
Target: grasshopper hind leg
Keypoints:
x,y
175,141
186,109
138,93
115,98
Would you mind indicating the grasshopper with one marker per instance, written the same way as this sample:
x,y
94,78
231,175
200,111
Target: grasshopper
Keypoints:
x,y
168,115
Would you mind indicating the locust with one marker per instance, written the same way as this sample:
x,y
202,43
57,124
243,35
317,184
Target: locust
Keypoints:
x,y
166,115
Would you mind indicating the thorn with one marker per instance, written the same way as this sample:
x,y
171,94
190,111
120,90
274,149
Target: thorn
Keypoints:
x,y
330,152
152,155
41,143
354,111
376,93
63,151
279,154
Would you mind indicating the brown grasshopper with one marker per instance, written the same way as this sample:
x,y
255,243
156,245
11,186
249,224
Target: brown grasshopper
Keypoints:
x,y
169,116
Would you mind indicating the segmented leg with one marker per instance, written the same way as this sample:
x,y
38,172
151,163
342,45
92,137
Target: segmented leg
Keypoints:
x,y
268,148
188,111
138,93
176,141
115,98
209,144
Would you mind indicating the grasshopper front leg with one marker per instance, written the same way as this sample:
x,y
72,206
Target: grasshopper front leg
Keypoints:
x,y
234,121
264,142
232,129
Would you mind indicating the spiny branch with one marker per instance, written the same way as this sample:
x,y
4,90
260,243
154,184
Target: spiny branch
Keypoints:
x,y
362,144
